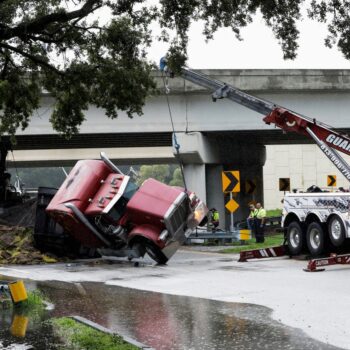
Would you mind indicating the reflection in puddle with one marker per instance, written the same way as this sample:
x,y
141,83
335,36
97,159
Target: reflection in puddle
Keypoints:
x,y
22,332
164,322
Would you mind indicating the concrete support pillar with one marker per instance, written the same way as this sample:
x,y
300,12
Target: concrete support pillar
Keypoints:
x,y
195,179
195,153
215,197
204,160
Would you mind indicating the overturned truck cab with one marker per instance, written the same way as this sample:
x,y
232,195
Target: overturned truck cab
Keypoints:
x,y
102,208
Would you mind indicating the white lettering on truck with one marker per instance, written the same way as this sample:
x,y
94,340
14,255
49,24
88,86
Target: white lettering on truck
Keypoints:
x,y
338,141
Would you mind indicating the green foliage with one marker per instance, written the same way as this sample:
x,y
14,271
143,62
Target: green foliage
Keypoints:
x,y
176,58
94,51
177,178
168,174
159,172
35,301
336,15
274,212
76,335
34,306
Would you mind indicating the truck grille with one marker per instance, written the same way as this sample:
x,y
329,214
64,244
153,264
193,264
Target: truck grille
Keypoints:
x,y
176,217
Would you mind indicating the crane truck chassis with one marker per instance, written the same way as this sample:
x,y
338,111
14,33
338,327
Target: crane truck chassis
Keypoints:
x,y
311,221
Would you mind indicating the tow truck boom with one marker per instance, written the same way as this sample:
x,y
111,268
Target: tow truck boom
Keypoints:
x,y
328,140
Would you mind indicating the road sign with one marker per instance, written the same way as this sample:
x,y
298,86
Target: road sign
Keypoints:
x,y
284,184
332,180
250,186
232,205
230,181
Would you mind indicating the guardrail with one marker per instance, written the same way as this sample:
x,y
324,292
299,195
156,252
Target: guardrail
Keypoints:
x,y
240,232
223,236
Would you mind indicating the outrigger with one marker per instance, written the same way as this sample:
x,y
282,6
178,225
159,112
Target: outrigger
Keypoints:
x,y
313,265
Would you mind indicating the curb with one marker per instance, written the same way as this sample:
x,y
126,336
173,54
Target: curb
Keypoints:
x,y
108,331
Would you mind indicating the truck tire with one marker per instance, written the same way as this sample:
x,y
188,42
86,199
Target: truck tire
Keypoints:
x,y
315,239
336,231
295,238
155,253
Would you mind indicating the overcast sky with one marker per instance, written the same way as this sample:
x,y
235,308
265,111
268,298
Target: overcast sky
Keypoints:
x,y
259,49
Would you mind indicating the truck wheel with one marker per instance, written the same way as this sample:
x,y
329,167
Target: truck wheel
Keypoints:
x,y
155,253
295,238
315,238
336,231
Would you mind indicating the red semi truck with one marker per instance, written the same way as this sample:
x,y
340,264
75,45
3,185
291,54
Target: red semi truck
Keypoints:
x,y
102,208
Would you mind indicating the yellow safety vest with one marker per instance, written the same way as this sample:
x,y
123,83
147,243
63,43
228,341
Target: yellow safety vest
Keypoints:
x,y
260,213
253,213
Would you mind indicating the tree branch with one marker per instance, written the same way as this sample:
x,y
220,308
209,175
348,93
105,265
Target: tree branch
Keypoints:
x,y
4,69
35,59
38,25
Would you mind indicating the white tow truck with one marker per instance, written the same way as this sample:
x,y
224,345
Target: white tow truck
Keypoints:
x,y
311,220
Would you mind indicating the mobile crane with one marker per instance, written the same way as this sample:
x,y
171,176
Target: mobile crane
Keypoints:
x,y
309,220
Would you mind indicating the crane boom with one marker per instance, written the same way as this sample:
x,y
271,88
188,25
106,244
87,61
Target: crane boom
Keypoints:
x,y
222,90
325,137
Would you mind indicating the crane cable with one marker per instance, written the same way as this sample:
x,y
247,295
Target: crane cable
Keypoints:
x,y
175,143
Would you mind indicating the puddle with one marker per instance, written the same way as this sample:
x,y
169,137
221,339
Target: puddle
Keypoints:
x,y
164,322
169,322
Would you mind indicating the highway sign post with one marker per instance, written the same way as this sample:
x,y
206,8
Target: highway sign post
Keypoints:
x,y
231,184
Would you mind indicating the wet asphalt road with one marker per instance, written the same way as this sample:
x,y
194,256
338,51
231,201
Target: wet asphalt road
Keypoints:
x,y
165,322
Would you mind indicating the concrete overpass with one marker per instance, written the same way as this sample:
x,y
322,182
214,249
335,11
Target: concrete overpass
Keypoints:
x,y
213,136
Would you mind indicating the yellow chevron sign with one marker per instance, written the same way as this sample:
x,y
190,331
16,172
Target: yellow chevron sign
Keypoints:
x,y
284,184
332,180
250,186
230,181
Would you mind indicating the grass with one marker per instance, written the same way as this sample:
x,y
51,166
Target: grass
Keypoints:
x,y
76,335
250,244
34,307
274,212
35,302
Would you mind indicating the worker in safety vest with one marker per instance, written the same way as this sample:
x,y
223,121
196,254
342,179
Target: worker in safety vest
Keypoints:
x,y
215,217
251,216
259,221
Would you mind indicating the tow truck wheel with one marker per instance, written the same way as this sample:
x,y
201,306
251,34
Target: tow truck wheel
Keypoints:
x,y
295,239
336,231
315,239
155,253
